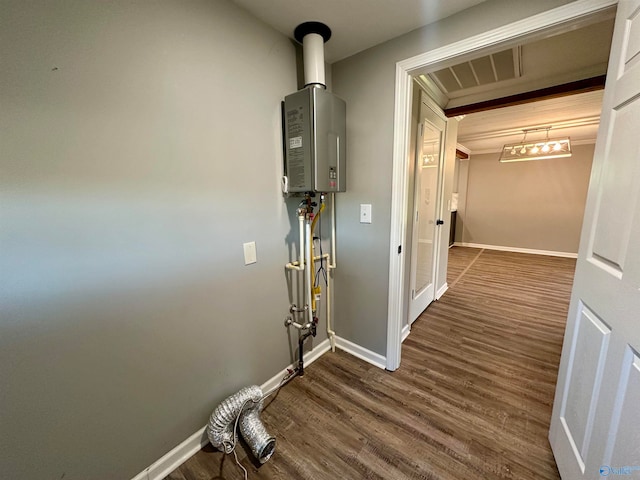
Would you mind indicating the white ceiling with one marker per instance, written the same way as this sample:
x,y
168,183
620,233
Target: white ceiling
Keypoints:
x,y
356,24
576,116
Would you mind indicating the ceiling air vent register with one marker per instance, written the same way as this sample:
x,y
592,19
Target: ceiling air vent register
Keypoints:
x,y
494,68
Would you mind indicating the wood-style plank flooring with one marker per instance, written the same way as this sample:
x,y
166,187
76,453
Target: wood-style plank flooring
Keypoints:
x,y
460,258
471,400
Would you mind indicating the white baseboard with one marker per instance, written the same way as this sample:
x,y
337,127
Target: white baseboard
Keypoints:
x,y
405,333
441,290
532,251
362,353
176,457
181,453
309,357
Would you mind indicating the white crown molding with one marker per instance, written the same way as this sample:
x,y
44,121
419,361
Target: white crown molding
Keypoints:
x,y
588,121
430,87
462,148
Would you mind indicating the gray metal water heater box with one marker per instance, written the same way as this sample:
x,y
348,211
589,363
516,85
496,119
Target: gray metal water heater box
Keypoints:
x,y
315,141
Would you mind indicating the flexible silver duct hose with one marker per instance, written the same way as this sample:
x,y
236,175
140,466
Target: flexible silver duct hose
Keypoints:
x,y
243,408
262,444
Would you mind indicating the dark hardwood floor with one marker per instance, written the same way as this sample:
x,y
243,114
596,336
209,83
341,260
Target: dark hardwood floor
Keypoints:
x,y
471,400
460,258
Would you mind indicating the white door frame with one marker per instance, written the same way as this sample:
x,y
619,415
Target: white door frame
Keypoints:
x,y
543,24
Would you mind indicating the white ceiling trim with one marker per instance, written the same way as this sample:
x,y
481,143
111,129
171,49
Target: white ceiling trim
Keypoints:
x,y
562,125
433,90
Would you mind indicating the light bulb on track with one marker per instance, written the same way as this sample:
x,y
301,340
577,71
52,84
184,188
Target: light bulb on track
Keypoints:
x,y
541,149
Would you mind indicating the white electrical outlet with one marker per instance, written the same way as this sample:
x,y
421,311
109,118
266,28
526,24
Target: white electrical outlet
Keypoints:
x,y
249,253
365,213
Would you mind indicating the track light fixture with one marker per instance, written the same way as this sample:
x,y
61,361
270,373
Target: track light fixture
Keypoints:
x,y
536,150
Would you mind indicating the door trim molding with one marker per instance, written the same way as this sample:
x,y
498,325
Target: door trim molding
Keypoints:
x,y
406,330
441,291
542,24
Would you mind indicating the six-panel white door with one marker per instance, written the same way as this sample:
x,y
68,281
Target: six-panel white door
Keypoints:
x,y
595,427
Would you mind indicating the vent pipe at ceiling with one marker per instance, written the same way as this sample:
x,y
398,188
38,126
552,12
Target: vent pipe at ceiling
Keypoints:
x,y
312,36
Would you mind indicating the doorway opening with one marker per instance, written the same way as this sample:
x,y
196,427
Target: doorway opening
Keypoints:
x,y
538,27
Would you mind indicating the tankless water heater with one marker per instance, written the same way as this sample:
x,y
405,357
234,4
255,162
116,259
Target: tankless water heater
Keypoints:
x,y
315,141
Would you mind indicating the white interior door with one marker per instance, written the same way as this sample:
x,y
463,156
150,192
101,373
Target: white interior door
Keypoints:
x,y
595,427
424,245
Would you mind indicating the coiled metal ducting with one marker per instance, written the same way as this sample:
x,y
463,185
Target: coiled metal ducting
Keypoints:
x,y
243,409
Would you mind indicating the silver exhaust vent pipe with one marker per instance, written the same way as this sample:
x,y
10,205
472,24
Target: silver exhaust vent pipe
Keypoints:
x,y
242,408
261,443
312,36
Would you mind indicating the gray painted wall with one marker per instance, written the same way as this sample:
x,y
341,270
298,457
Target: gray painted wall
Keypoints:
x,y
141,146
367,82
537,205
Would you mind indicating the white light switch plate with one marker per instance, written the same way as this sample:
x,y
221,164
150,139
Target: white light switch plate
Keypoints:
x,y
249,253
365,213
